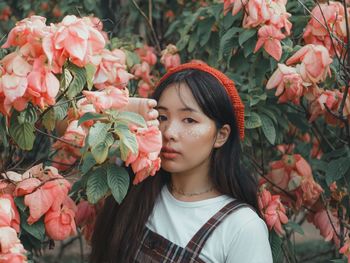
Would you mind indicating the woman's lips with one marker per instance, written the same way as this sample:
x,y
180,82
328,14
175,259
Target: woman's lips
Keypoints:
x,y
169,153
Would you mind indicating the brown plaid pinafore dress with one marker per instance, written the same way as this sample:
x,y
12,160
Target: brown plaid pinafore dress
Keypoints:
x,y
155,248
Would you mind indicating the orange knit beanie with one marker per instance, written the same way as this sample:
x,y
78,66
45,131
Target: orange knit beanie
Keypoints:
x,y
228,84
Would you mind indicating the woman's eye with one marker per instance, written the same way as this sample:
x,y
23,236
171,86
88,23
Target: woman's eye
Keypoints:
x,y
189,120
161,118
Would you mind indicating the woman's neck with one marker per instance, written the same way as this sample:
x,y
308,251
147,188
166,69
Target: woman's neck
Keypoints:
x,y
192,186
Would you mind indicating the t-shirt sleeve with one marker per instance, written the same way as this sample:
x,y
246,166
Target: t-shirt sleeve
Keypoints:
x,y
251,244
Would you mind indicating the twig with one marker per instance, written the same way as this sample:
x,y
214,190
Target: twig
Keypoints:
x,y
149,25
57,138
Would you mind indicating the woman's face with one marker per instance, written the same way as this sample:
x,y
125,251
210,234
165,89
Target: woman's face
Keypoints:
x,y
188,134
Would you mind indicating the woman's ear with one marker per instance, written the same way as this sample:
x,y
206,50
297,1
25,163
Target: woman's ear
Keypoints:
x,y
222,136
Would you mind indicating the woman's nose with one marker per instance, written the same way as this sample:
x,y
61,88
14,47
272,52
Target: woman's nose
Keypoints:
x,y
170,130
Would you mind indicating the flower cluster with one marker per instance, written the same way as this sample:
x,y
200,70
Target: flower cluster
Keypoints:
x,y
28,74
142,71
325,18
270,17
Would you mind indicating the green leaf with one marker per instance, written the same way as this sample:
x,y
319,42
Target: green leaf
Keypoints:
x,y
49,121
276,246
88,162
61,109
253,121
89,116
90,72
90,5
181,44
336,169
78,82
118,181
23,134
127,139
19,201
3,133
245,35
97,186
28,115
192,43
37,229
66,79
100,150
295,227
126,117
268,128
227,43
97,133
204,30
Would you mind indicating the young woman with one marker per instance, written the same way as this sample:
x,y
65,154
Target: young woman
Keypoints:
x,y
201,206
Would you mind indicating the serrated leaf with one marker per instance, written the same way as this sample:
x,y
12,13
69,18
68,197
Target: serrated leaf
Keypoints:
x,y
88,162
227,43
245,35
336,169
118,182
204,30
23,134
89,116
61,109
90,73
100,150
97,185
78,82
126,117
97,133
268,129
253,121
181,44
28,115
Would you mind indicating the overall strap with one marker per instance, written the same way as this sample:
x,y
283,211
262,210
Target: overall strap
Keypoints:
x,y
198,240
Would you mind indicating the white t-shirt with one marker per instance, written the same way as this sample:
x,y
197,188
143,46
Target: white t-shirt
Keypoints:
x,y
241,237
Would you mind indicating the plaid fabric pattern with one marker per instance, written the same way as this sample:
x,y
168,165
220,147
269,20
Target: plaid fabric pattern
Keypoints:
x,y
154,248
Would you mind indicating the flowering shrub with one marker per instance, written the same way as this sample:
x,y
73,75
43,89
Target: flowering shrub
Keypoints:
x,y
70,83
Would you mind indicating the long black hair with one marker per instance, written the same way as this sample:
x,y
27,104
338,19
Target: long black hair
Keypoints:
x,y
119,227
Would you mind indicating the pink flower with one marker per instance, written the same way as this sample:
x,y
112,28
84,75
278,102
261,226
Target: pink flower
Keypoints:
x,y
288,82
110,98
315,62
146,162
42,84
170,58
79,39
24,30
111,69
60,224
322,220
9,215
329,98
147,54
63,160
325,15
11,249
258,13
86,213
144,89
235,5
270,37
273,210
345,249
49,196
74,139
27,186
142,71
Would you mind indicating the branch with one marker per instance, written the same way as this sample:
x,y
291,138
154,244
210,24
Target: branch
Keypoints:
x,y
149,23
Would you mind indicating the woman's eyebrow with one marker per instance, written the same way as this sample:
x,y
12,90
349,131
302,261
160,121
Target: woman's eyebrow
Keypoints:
x,y
182,109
